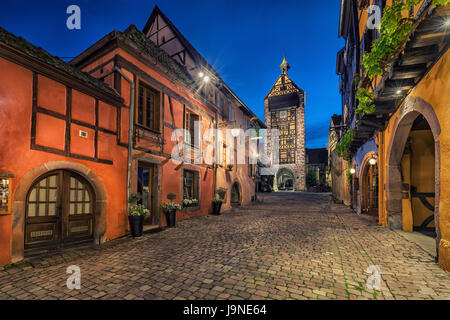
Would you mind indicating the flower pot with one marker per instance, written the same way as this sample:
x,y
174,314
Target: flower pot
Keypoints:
x,y
171,217
216,207
136,225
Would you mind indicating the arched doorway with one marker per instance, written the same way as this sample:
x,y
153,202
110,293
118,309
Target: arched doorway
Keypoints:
x,y
235,195
413,170
59,211
369,185
284,180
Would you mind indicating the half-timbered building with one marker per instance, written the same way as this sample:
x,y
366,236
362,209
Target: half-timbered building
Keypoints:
x,y
284,110
62,163
65,165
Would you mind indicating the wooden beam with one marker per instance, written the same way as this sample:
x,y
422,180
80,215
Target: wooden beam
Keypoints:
x,y
405,72
419,55
392,86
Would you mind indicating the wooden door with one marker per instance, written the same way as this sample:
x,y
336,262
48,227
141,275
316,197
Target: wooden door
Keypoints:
x,y
59,211
145,189
235,195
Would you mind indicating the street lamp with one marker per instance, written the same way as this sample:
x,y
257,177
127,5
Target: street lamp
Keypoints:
x,y
372,161
352,171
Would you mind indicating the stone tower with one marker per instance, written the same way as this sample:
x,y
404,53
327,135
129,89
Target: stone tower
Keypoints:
x,y
284,109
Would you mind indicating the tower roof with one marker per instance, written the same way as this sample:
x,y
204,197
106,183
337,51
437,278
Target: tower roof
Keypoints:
x,y
284,85
284,66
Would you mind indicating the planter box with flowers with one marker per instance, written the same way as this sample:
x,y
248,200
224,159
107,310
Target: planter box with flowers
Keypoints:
x,y
187,203
217,201
170,210
229,167
138,213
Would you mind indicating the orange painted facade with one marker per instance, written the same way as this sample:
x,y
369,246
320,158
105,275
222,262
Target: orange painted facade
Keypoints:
x,y
55,119
18,158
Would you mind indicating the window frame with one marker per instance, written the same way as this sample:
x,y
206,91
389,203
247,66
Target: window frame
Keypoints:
x,y
195,141
195,184
156,107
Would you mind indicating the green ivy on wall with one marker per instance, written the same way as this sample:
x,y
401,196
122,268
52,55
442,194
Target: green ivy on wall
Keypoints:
x,y
343,147
440,2
365,99
394,28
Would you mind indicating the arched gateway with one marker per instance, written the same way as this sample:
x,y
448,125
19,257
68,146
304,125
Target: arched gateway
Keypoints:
x,y
413,170
284,180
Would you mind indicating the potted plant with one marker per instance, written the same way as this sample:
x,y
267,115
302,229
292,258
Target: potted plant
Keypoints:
x,y
221,192
229,167
170,210
136,217
217,204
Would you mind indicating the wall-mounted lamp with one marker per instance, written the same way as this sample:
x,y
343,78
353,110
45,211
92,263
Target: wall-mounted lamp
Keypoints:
x,y
352,171
372,161
235,132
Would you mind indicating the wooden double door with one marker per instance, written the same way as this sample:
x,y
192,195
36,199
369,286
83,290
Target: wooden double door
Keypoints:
x,y
59,212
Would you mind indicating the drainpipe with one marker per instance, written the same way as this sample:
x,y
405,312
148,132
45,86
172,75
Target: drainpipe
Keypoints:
x,y
130,134
216,155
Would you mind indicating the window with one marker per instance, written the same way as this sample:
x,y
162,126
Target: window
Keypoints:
x,y
147,112
218,100
190,119
190,184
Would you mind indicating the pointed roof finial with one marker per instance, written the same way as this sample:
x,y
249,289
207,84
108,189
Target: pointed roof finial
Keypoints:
x,y
284,66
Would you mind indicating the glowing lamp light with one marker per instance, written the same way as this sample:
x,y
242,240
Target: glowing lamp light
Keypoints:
x,y
205,78
447,23
235,132
352,171
399,91
201,74
372,161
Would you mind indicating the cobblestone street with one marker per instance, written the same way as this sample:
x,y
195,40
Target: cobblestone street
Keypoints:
x,y
291,246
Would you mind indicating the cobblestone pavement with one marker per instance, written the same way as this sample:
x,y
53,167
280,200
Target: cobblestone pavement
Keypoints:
x,y
292,246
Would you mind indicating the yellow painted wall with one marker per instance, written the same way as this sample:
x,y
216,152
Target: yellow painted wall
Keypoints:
x,y
435,90
407,213
422,173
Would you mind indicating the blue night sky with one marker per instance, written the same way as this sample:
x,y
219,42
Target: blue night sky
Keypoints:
x,y
244,40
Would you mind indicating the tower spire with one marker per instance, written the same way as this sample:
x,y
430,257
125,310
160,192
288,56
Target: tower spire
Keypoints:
x,y
284,66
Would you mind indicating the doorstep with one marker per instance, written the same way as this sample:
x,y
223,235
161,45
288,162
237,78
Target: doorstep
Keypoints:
x,y
425,242
151,229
